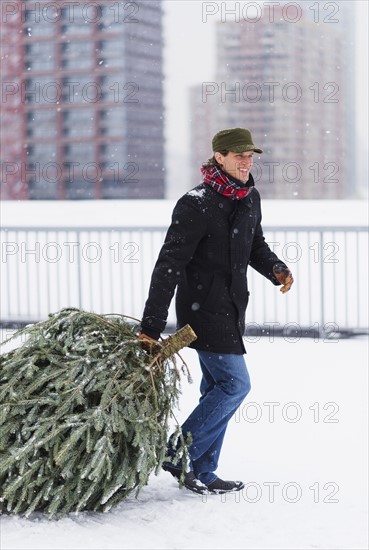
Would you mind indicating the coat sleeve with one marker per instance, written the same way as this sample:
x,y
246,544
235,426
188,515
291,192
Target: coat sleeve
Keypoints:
x,y
262,258
187,228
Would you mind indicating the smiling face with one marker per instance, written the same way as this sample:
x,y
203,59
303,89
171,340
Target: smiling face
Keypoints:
x,y
237,165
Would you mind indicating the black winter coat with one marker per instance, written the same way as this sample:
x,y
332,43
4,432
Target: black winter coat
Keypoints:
x,y
210,243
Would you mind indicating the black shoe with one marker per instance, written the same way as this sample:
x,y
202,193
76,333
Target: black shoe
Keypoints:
x,y
218,486
190,481
168,467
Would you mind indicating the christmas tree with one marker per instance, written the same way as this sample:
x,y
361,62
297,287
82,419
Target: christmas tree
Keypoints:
x,y
85,413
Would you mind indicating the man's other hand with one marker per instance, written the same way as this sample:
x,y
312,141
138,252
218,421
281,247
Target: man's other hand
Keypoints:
x,y
283,276
149,344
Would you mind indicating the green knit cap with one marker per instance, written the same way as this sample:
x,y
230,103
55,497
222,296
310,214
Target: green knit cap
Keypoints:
x,y
237,140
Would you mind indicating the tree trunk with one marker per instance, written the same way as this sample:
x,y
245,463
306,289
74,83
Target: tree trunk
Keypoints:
x,y
177,341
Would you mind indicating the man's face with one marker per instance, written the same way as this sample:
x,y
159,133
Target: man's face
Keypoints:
x,y
237,165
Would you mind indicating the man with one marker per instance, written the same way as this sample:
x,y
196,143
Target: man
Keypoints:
x,y
214,236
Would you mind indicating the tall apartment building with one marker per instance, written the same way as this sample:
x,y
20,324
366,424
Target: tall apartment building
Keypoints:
x,y
82,100
284,81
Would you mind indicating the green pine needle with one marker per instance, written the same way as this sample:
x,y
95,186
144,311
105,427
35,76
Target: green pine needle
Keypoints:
x,y
84,415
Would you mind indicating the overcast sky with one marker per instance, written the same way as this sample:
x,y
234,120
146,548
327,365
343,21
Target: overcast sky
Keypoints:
x,y
190,59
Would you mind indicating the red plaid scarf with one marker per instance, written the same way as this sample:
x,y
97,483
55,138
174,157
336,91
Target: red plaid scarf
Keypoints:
x,y
223,184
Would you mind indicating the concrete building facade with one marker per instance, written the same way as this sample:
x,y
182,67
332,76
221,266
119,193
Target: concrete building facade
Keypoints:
x,y
83,100
283,79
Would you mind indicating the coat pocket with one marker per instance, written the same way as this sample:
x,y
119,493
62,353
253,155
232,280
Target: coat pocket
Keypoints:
x,y
215,297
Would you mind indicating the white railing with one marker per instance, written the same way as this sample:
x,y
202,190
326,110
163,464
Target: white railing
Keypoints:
x,y
108,270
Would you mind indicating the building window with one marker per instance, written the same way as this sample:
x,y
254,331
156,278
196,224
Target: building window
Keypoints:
x,y
80,152
78,54
37,27
40,56
112,122
112,151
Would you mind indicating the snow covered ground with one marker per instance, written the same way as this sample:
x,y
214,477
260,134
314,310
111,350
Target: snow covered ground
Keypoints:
x,y
299,442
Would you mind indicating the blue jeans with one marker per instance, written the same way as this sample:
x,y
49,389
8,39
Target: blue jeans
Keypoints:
x,y
224,385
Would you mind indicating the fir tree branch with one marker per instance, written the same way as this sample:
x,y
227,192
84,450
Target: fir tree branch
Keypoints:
x,y
84,413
